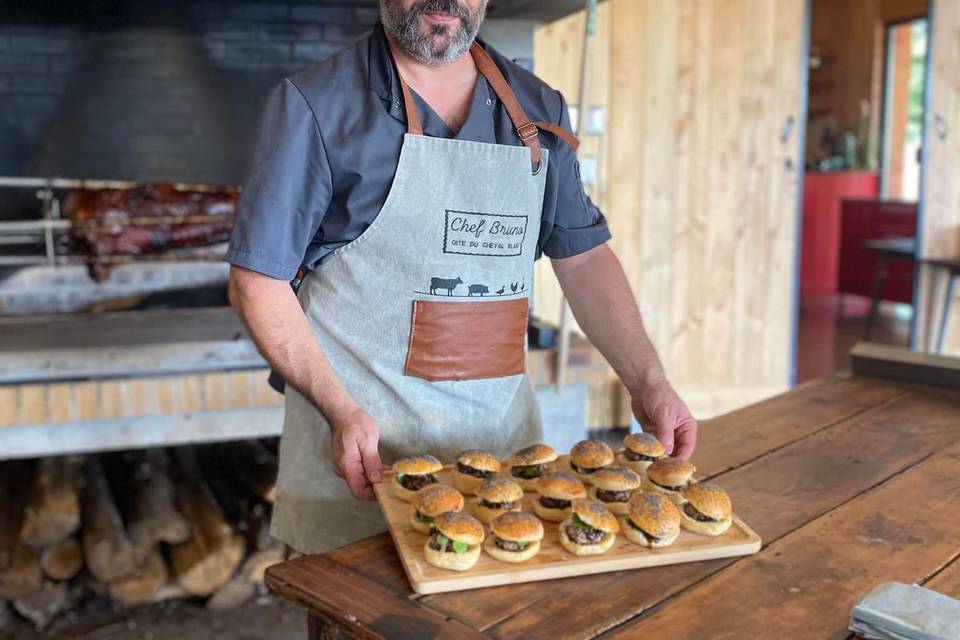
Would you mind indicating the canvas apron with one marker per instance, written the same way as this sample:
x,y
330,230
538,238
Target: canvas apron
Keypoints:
x,y
423,318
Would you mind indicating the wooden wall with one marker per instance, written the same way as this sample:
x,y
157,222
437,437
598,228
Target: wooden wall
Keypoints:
x,y
701,190
941,215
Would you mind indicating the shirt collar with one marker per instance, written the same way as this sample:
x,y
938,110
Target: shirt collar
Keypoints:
x,y
383,78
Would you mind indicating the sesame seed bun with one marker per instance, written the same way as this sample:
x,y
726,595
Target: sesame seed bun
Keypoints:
x,y
585,549
479,460
490,546
499,490
672,472
485,514
534,454
616,479
450,560
464,483
418,465
561,485
591,454
709,499
517,526
646,444
550,514
460,527
656,515
596,514
434,499
401,491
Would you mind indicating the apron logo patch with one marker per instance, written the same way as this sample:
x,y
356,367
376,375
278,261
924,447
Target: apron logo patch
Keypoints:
x,y
483,234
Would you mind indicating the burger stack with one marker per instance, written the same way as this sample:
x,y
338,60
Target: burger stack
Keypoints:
x,y
589,499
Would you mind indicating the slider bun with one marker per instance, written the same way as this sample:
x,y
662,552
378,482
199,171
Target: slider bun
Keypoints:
x,y
422,527
584,549
485,514
450,560
551,515
517,526
638,538
709,499
655,514
675,496
705,528
645,444
672,472
402,492
638,466
534,454
490,546
616,508
460,527
434,499
561,485
499,490
479,460
419,465
595,514
615,479
591,454
466,483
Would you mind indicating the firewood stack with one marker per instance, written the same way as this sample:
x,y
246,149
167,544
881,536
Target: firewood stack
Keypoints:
x,y
136,527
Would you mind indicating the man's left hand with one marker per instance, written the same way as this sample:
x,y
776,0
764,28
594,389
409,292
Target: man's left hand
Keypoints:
x,y
661,412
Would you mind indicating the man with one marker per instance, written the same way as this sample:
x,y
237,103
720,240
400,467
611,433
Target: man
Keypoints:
x,y
418,174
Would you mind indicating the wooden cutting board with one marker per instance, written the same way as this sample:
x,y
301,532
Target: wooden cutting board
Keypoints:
x,y
553,561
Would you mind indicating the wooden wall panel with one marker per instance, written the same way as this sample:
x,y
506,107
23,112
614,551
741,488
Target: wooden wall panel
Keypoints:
x,y
941,214
700,189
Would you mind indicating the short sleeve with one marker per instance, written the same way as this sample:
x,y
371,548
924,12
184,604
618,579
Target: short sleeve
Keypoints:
x,y
578,225
287,190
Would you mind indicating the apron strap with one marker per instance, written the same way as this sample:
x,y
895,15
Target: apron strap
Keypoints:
x,y
527,130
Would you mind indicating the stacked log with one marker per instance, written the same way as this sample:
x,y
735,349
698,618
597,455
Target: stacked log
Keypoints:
x,y
136,527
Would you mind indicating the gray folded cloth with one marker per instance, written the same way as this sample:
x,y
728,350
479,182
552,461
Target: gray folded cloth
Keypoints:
x,y
906,612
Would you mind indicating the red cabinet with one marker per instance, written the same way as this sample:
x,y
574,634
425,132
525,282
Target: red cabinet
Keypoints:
x,y
820,235
874,220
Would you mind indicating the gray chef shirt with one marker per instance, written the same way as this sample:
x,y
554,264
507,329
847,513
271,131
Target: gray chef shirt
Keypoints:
x,y
328,148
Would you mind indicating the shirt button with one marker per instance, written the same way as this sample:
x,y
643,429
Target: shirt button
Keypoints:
x,y
489,102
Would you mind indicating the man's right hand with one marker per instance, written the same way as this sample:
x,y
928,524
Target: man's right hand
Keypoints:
x,y
354,437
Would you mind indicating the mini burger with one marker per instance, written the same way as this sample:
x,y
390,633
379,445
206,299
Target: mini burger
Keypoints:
x,y
557,489
707,511
587,456
495,496
430,502
652,520
590,529
613,486
412,474
669,476
516,537
473,467
529,463
640,450
454,541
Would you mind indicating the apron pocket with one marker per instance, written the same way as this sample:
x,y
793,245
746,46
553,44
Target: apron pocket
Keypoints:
x,y
467,340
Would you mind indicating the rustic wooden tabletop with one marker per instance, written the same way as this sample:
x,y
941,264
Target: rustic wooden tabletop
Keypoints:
x,y
850,481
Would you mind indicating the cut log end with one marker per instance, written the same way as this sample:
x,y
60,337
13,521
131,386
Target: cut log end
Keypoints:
x,y
63,560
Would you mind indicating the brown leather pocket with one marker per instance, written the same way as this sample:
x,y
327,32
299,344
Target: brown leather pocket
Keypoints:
x,y
467,340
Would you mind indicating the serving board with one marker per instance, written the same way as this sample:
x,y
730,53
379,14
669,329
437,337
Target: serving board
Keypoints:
x,y
553,561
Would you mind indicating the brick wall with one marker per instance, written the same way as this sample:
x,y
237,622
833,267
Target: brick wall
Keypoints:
x,y
152,91
146,90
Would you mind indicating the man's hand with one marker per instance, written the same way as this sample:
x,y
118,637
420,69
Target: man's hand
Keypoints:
x,y
661,411
354,437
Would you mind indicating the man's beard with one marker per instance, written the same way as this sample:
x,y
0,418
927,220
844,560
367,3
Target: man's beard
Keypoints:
x,y
441,43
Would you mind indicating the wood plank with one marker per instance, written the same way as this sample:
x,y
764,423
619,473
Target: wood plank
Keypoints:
x,y
376,558
360,605
552,562
897,363
776,494
826,565
947,580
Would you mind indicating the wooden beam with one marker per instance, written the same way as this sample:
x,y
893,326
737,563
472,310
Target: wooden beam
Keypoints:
x,y
895,363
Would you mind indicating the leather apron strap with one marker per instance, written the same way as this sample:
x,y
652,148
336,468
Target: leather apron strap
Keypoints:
x,y
526,129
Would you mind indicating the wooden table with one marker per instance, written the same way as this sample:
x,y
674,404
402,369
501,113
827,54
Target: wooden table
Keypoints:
x,y
850,481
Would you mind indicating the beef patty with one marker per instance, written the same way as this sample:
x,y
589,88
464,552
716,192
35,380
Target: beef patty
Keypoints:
x,y
637,457
416,481
582,535
554,503
696,515
612,496
476,473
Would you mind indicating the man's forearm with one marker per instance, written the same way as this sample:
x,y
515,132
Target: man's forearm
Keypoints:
x,y
601,300
281,332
